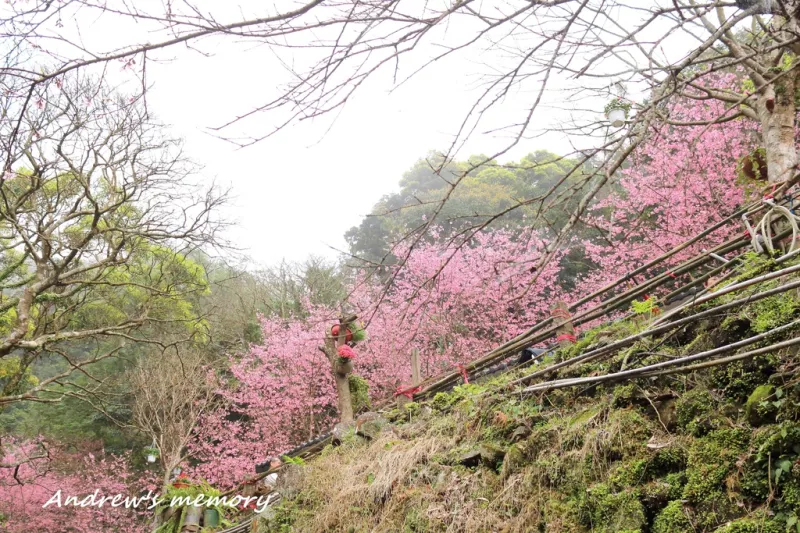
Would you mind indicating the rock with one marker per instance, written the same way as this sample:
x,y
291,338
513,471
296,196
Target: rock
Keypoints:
x,y
667,413
341,431
521,433
425,411
470,459
758,409
514,459
370,424
491,455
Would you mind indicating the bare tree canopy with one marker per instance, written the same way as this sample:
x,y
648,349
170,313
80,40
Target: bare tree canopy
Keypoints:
x,y
576,56
97,214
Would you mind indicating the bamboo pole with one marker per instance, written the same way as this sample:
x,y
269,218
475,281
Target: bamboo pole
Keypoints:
x,y
655,369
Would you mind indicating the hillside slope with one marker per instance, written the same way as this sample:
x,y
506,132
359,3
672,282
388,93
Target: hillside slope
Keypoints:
x,y
713,449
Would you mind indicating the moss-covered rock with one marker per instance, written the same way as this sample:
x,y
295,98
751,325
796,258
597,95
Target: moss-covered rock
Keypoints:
x,y
674,518
757,524
697,412
610,511
757,409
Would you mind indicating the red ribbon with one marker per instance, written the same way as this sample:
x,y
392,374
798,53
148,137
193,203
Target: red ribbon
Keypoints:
x,y
463,370
408,393
560,313
567,337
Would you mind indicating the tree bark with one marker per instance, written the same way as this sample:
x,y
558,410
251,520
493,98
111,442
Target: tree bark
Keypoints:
x,y
776,107
345,401
777,128
341,368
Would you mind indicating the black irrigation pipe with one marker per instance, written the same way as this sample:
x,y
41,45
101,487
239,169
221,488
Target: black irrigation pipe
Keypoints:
x,y
623,343
655,369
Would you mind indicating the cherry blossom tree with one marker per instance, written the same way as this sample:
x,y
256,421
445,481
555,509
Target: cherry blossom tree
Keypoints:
x,y
682,181
32,473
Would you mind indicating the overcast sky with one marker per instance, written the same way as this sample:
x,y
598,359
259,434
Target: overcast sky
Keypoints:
x,y
296,193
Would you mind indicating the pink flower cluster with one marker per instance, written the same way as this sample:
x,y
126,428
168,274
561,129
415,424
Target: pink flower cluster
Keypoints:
x,y
346,352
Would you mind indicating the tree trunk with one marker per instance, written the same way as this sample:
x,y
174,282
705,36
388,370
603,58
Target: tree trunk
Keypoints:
x,y
345,402
776,108
340,368
777,129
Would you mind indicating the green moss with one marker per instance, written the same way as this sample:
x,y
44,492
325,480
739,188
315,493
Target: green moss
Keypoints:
x,y
772,312
672,519
638,471
738,380
756,524
630,474
359,393
624,394
411,409
609,511
711,461
757,409
697,413
676,482
415,521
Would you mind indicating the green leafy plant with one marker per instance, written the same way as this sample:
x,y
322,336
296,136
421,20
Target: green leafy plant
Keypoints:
x,y
293,460
151,450
618,103
358,331
202,488
644,307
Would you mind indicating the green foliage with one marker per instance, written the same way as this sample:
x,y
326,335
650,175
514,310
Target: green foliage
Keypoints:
x,y
674,518
491,188
617,103
444,400
175,523
411,409
643,307
697,412
757,408
358,331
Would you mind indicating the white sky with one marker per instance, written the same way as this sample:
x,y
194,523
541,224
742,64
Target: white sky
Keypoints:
x,y
296,193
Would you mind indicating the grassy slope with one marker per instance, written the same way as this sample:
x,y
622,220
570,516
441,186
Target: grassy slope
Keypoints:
x,y
717,450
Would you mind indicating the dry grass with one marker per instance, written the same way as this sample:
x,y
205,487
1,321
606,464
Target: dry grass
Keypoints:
x,y
406,481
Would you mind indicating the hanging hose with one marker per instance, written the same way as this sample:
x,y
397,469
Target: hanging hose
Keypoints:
x,y
761,234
